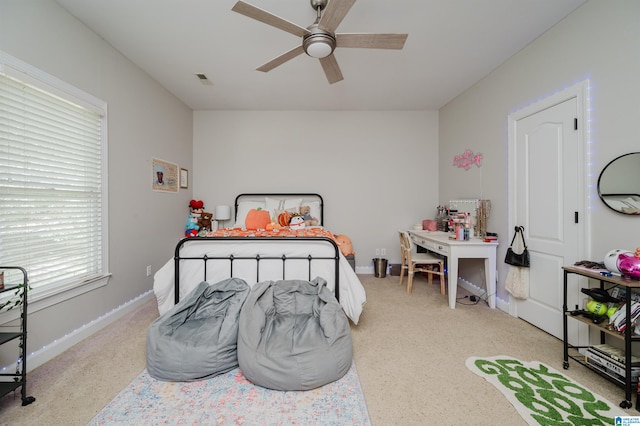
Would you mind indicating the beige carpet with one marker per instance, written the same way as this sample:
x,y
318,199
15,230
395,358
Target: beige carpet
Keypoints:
x,y
410,351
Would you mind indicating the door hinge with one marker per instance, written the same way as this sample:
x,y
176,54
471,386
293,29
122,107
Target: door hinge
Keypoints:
x,y
575,124
576,217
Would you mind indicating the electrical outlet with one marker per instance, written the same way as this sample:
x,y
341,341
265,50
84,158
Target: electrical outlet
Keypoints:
x,y
383,252
377,252
149,270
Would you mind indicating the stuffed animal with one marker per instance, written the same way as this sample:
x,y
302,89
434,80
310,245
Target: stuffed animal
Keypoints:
x,y
196,207
192,226
296,222
309,220
204,222
345,245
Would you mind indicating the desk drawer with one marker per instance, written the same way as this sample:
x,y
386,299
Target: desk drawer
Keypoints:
x,y
430,245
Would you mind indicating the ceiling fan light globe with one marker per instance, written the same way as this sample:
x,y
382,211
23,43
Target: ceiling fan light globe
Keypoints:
x,y
318,44
319,49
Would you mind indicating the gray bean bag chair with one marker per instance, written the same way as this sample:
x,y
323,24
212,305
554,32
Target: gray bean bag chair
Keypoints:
x,y
293,336
197,338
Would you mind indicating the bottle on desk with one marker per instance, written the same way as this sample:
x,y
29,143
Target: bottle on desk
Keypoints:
x,y
469,226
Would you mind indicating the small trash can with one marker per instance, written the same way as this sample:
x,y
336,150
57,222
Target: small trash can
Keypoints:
x,y
380,267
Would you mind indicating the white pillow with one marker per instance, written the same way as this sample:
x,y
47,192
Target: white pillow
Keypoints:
x,y
277,206
243,209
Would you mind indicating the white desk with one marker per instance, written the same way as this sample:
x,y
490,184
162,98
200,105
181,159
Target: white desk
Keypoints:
x,y
439,242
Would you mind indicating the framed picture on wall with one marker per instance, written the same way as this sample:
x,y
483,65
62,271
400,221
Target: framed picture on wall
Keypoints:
x,y
164,176
184,178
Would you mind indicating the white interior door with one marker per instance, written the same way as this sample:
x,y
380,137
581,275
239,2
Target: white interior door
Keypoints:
x,y
546,195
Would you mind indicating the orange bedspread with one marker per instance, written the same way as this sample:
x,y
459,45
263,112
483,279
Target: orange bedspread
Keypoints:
x,y
282,232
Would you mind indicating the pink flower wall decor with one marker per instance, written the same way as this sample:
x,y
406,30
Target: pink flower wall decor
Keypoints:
x,y
466,159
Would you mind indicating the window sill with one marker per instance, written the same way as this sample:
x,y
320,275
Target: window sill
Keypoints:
x,y
42,298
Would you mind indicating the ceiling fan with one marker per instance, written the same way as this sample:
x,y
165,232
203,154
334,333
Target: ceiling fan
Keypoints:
x,y
319,40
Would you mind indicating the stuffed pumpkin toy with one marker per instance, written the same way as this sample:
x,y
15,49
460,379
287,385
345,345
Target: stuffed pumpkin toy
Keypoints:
x,y
257,219
284,218
344,242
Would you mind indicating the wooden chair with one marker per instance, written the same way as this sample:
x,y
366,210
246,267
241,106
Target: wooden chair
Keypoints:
x,y
419,262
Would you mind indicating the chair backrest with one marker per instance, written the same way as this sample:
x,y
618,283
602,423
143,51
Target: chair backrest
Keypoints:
x,y
405,246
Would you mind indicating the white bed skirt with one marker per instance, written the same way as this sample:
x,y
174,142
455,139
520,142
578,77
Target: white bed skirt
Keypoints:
x,y
352,294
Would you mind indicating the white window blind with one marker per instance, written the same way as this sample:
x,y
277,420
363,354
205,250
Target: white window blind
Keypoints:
x,y
51,185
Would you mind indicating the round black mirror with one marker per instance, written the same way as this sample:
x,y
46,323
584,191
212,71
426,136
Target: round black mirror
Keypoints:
x,y
619,184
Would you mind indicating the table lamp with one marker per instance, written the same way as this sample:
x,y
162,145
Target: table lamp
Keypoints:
x,y
222,213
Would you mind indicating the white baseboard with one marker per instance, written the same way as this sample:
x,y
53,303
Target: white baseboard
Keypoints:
x,y
48,352
364,270
501,304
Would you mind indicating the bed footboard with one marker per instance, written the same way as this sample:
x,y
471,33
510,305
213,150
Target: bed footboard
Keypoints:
x,y
258,259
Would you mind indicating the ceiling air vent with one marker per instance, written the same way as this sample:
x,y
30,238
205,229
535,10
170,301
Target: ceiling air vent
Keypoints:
x,y
204,80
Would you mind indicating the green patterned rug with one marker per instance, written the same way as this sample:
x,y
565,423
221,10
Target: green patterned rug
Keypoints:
x,y
542,395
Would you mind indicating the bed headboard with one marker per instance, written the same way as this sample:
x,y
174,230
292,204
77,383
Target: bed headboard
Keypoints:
x,y
269,200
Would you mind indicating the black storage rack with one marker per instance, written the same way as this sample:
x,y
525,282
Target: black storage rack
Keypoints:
x,y
11,381
628,336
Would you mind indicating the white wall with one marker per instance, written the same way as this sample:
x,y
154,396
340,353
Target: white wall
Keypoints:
x,y
377,171
599,41
145,121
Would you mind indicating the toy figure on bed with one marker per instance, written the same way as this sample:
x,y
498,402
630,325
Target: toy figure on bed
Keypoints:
x,y
196,207
309,220
204,223
192,226
296,222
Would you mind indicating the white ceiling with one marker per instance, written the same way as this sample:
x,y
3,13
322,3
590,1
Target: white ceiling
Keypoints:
x,y
451,45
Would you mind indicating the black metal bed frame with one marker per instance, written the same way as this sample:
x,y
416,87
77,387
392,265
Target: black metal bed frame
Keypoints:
x,y
256,240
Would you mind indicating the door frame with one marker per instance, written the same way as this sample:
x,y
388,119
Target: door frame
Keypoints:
x,y
580,91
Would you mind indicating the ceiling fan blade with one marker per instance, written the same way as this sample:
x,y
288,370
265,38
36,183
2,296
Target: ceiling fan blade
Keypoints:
x,y
331,69
334,14
281,59
268,18
371,41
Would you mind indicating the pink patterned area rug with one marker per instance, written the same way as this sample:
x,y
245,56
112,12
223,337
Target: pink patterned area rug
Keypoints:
x,y
230,399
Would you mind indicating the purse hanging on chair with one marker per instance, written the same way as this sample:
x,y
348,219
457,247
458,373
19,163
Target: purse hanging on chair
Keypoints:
x,y
518,259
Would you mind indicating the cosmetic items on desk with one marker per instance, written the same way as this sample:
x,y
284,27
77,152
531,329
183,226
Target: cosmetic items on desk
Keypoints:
x,y
461,226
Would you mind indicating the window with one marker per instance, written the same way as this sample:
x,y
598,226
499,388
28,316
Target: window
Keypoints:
x,y
52,180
